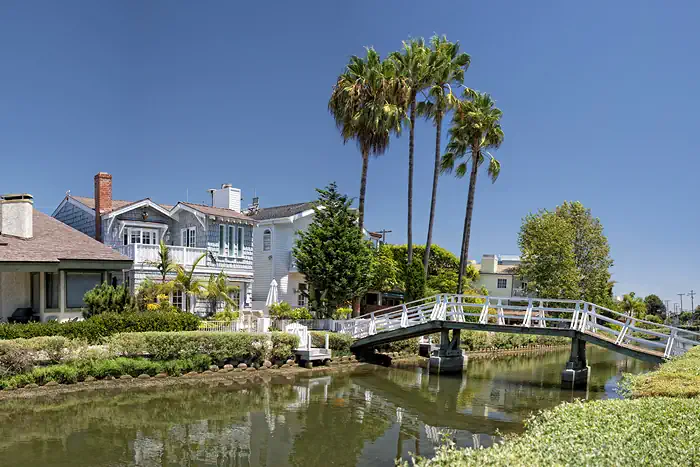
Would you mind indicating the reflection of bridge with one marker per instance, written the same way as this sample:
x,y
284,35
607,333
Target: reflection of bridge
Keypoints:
x,y
578,320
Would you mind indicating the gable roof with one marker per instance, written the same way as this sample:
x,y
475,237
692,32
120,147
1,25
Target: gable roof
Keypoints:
x,y
52,242
116,203
287,210
220,212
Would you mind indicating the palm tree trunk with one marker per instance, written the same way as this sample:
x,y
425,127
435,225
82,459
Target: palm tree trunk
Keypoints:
x,y
436,174
411,136
363,187
468,221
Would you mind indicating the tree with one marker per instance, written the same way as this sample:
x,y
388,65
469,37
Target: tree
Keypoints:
x,y
446,67
185,281
386,272
368,104
412,69
217,290
476,127
655,306
566,255
165,264
105,298
333,254
633,306
415,281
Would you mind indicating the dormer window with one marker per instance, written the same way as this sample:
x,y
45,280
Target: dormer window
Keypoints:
x,y
267,240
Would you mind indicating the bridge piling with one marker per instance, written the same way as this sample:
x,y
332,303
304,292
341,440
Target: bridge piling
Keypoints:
x,y
449,358
575,374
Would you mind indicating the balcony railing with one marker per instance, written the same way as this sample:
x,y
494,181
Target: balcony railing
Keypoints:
x,y
184,256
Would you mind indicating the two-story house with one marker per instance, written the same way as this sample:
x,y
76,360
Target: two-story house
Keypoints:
x,y
220,232
498,274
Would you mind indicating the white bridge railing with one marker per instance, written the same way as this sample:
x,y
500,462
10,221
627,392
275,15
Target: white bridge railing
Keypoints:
x,y
578,315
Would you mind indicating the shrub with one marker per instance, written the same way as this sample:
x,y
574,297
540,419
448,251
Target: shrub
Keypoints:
x,y
415,280
342,313
337,342
284,310
227,316
105,298
96,328
404,346
20,355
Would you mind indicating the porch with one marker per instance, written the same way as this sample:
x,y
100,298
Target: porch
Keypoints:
x,y
182,255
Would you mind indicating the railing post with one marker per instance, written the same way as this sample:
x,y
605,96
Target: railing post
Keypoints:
x,y
623,331
484,317
668,351
574,318
459,308
372,325
501,318
436,307
584,317
543,323
404,316
527,320
327,347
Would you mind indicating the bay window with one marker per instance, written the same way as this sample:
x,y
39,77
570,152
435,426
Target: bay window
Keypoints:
x,y
141,235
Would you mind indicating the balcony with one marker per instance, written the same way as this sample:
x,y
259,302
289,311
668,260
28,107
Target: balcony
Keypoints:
x,y
184,256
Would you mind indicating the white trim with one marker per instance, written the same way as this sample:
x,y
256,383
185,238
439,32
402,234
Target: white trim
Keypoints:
x,y
197,214
287,219
74,202
140,204
152,225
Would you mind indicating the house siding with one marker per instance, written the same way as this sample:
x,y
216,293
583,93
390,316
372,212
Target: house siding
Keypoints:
x,y
77,218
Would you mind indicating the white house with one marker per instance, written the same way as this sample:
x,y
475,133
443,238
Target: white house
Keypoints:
x,y
498,274
135,228
45,266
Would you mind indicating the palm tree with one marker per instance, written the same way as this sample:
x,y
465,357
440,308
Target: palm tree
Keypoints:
x,y
368,104
217,290
446,67
412,70
165,264
185,281
476,127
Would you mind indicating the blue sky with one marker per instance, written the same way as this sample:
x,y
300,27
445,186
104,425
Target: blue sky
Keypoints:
x,y
171,97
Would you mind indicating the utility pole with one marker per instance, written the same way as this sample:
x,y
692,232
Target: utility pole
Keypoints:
x,y
675,308
668,310
681,295
692,301
383,232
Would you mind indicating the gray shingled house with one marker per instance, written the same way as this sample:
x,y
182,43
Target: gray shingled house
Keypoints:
x,y
45,266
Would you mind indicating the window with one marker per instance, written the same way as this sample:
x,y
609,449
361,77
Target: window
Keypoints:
x,y
231,240
301,296
502,283
177,299
236,295
140,235
222,239
76,286
239,242
189,237
267,240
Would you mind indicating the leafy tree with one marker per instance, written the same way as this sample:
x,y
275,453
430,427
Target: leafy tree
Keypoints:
x,y
655,306
386,271
633,306
105,298
412,69
217,290
185,281
476,127
415,281
333,254
446,68
566,255
164,264
368,104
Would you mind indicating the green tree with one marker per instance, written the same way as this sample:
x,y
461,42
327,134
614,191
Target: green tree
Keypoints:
x,y
633,306
386,272
547,255
164,264
333,254
412,69
105,298
446,68
415,281
655,306
368,104
217,290
186,282
476,127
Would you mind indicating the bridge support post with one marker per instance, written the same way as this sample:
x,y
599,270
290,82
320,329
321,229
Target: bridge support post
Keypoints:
x,y
576,373
449,358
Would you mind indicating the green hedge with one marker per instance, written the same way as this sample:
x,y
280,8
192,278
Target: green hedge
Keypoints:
x,y
96,328
222,347
679,377
69,373
337,342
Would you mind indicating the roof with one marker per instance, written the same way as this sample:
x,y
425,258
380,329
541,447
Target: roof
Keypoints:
x,y
221,212
500,269
277,212
54,241
116,203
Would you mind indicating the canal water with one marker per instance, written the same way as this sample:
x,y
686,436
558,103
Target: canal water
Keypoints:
x,y
368,417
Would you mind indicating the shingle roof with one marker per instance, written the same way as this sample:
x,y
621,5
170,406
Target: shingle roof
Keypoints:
x,y
90,202
221,212
500,269
276,212
52,242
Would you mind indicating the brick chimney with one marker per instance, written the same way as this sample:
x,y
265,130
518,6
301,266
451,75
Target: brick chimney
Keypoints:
x,y
103,200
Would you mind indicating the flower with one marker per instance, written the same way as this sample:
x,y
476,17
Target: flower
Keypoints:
x,y
257,345
152,307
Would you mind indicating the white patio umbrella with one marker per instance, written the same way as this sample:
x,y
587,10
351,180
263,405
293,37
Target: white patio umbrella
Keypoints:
x,y
272,294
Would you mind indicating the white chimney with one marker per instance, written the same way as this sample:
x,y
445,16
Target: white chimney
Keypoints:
x,y
489,263
227,197
16,215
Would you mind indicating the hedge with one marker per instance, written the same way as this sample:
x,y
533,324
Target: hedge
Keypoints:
x,y
337,342
96,328
680,377
222,347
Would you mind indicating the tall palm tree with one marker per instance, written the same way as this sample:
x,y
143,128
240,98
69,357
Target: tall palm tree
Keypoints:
x,y
368,104
164,264
476,127
446,67
185,281
412,69
217,290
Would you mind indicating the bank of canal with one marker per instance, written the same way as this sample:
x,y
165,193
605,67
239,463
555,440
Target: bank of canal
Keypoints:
x,y
361,415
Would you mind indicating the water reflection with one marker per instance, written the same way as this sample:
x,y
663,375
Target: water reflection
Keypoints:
x,y
369,417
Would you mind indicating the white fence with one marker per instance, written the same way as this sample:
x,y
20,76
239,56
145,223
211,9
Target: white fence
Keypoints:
x,y
333,325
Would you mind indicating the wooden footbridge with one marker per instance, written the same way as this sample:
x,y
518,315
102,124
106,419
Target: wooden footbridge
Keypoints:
x,y
578,320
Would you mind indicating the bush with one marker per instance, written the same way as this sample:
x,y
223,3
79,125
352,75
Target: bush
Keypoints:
x,y
342,313
679,377
653,319
415,280
21,355
404,346
96,328
107,299
222,347
227,316
337,342
284,310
